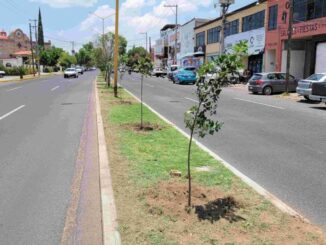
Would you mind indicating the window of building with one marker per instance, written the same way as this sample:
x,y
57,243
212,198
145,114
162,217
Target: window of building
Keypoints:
x,y
272,17
253,21
213,35
200,39
304,10
231,28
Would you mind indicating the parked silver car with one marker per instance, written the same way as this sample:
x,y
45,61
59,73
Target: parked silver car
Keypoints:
x,y
271,82
305,85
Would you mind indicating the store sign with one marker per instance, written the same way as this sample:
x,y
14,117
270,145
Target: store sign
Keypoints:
x,y
254,38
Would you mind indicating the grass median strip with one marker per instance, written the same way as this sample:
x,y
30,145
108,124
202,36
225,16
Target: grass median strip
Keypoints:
x,y
150,200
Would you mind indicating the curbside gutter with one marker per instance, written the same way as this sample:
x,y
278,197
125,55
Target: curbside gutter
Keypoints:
x,y
258,188
111,235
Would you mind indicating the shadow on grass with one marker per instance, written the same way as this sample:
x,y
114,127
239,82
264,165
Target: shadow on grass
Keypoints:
x,y
220,208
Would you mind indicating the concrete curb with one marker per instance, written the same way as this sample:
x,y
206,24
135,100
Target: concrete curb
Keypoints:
x,y
111,235
258,188
28,78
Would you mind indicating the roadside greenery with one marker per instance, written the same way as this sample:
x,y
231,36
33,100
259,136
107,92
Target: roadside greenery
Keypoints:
x,y
201,118
150,202
145,66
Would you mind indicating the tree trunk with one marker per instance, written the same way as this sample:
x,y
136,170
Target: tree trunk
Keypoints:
x,y
189,155
141,102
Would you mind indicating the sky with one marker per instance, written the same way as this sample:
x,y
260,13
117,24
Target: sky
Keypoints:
x,y
65,21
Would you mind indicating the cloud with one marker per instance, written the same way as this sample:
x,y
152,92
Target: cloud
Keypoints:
x,y
92,19
67,3
147,22
137,4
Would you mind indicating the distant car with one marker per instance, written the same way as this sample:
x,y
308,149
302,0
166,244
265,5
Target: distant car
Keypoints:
x,y
305,85
159,72
171,70
268,83
185,76
80,70
70,72
93,68
2,74
122,69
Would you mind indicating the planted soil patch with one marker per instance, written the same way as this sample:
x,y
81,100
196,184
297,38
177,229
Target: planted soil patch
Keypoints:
x,y
207,203
147,127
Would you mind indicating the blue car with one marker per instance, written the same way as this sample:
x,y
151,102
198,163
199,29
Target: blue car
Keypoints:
x,y
185,76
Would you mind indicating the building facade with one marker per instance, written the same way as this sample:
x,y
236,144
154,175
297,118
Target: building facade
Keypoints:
x,y
247,23
187,43
308,49
15,48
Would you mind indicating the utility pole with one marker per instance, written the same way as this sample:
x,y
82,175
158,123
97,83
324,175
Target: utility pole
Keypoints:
x,y
224,4
116,49
176,30
145,33
31,42
289,44
37,48
72,47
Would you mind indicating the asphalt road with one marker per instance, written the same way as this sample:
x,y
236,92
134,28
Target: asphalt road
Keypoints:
x,y
278,143
41,128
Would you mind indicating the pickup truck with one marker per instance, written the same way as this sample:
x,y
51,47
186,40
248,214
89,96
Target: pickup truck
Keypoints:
x,y
2,74
159,72
318,92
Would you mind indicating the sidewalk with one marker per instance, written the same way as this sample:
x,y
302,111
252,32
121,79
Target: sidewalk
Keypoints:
x,y
26,77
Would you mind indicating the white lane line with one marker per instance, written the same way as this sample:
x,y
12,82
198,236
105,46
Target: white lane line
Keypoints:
x,y
14,89
258,103
191,99
55,88
151,86
11,112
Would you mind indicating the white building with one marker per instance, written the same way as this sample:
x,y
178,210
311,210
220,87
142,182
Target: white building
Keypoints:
x,y
187,43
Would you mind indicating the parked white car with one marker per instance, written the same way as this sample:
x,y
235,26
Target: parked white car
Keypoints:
x,y
80,70
70,72
2,74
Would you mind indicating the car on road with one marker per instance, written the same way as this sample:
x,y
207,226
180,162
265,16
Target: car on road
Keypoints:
x,y
159,72
185,76
70,72
268,83
318,92
305,85
80,70
2,74
171,70
187,68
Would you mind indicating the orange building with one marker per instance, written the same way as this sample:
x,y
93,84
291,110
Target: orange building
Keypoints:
x,y
308,49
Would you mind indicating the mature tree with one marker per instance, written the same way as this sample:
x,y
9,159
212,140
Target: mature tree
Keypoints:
x,y
66,60
135,54
40,40
201,118
50,57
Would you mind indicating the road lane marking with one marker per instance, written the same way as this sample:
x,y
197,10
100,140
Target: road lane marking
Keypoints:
x,y
14,89
151,86
55,88
191,99
258,103
11,112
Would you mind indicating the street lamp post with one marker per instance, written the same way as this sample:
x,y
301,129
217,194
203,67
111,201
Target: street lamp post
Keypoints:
x,y
224,4
176,30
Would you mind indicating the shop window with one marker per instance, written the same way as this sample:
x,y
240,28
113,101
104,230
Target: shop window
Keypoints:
x,y
231,28
254,21
272,17
213,35
200,39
